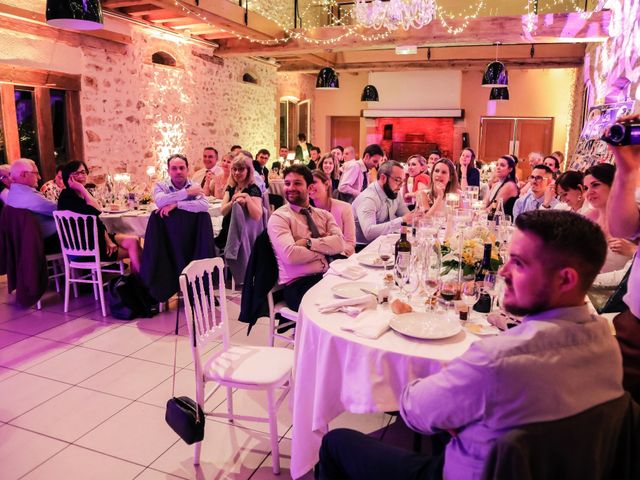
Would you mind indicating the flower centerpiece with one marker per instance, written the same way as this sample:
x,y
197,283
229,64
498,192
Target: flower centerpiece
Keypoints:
x,y
469,256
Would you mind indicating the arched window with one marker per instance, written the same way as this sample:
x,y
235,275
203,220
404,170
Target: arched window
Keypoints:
x,y
163,58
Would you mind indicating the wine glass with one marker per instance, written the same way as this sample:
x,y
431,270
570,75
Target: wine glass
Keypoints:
x,y
386,249
449,290
489,285
469,293
411,281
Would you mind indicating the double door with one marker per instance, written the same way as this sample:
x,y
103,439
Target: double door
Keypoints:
x,y
514,136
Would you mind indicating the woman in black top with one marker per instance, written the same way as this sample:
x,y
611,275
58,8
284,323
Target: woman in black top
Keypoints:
x,y
468,174
241,189
75,198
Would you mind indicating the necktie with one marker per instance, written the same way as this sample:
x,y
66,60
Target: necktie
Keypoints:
x,y
365,180
204,179
315,233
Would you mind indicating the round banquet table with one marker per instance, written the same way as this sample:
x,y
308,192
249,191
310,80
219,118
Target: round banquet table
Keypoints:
x,y
134,222
336,371
276,186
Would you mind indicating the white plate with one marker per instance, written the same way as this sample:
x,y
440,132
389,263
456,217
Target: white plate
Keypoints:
x,y
353,289
481,329
114,212
431,326
372,260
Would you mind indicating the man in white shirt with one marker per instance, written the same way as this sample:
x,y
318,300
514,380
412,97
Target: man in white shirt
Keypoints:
x,y
204,177
348,154
560,361
540,180
179,191
354,178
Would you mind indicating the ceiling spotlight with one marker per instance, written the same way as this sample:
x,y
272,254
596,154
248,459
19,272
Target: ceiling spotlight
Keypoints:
x,y
370,94
495,75
327,79
499,94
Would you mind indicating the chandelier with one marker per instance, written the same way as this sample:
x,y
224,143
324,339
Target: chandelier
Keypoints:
x,y
395,14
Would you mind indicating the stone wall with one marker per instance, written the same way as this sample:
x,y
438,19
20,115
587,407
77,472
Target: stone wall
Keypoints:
x,y
136,113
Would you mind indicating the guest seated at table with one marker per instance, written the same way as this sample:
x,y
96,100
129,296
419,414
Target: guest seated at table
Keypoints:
x,y
355,178
320,193
379,210
338,152
205,176
561,360
241,189
52,188
235,149
274,173
314,158
220,179
330,165
417,179
523,170
468,174
431,160
178,191
23,194
443,180
597,182
553,163
260,165
540,182
75,198
570,193
5,182
506,187
303,237
283,153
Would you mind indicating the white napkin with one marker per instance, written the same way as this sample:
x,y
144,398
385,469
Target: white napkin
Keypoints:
x,y
350,306
345,268
369,324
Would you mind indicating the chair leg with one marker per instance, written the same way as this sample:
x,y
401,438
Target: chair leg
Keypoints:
x,y
67,284
122,268
100,286
230,403
75,285
273,432
95,284
39,305
199,401
55,266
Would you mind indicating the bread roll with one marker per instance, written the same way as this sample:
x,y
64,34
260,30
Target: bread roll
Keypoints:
x,y
399,307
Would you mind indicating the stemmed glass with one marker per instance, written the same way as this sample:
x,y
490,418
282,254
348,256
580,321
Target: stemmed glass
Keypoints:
x,y
489,285
386,249
431,273
469,293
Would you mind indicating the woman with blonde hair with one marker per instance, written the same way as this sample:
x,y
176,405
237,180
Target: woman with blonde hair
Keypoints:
x,y
219,184
241,189
417,179
320,193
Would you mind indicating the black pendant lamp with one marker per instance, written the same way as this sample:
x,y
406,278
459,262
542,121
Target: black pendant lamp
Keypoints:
x,y
370,94
499,94
327,79
495,75
75,14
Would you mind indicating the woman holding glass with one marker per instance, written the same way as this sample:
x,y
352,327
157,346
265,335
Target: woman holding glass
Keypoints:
x,y
76,198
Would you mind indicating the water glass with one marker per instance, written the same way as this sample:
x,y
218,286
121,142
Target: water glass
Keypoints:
x,y
489,285
469,293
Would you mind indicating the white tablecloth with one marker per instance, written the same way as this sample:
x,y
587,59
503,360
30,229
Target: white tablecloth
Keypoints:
x,y
276,186
336,371
134,222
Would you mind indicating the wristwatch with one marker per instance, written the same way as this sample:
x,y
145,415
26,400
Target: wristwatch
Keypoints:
x,y
308,244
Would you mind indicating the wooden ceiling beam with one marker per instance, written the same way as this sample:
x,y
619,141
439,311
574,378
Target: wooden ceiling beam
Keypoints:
x,y
163,16
141,10
552,28
215,35
122,3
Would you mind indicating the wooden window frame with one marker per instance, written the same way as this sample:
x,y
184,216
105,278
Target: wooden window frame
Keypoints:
x,y
42,82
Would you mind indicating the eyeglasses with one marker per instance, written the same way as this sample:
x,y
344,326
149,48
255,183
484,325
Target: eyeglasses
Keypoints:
x,y
31,171
536,178
399,180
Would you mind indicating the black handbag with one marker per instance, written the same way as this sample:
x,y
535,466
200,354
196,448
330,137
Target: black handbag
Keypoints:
x,y
184,415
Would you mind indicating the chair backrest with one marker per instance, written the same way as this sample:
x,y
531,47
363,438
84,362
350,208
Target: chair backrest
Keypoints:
x,y
78,234
206,321
601,442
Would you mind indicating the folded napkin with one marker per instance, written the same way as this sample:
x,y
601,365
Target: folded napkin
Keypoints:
x,y
345,268
369,324
350,306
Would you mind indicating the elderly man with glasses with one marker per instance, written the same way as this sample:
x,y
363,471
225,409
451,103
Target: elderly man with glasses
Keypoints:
x,y
379,209
24,194
541,182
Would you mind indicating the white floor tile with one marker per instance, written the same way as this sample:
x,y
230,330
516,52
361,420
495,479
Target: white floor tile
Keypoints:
x,y
6,373
76,462
71,414
29,352
227,452
7,338
151,474
79,330
22,451
138,434
54,302
34,323
75,365
11,311
21,392
162,351
259,336
123,341
185,385
164,322
265,470
129,378
254,403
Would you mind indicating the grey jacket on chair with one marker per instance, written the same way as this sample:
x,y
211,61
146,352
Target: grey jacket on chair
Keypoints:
x,y
243,231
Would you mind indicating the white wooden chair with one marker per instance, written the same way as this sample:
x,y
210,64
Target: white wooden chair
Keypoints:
x,y
55,270
242,367
285,312
79,238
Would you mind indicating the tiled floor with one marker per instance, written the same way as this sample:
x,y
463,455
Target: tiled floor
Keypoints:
x,y
82,396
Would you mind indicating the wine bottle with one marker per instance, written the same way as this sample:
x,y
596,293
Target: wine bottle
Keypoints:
x,y
485,267
498,215
403,249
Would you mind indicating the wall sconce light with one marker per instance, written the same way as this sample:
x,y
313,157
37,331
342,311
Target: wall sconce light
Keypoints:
x,y
495,75
370,94
75,14
499,94
327,79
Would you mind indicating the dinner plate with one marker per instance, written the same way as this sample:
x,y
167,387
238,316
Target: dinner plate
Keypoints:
x,y
353,289
426,325
116,211
481,329
372,260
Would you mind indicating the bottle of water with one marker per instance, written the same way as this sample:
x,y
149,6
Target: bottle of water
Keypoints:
x,y
498,215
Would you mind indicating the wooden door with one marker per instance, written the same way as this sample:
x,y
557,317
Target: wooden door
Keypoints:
x,y
496,138
533,135
345,131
